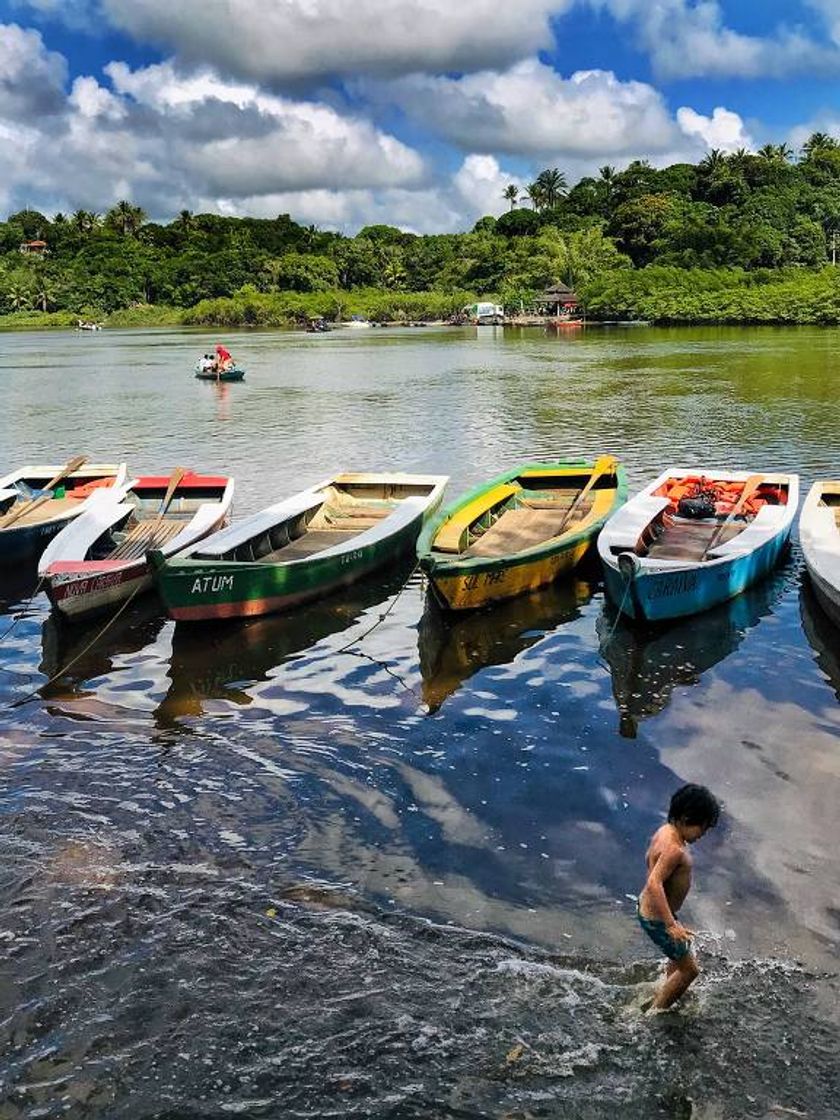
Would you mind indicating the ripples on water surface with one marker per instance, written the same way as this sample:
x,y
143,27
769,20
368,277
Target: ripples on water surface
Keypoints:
x,y
266,870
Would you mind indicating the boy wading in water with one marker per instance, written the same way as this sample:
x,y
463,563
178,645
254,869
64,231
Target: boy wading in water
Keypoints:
x,y
692,812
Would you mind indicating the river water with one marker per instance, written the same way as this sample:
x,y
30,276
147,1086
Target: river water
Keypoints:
x,y
289,868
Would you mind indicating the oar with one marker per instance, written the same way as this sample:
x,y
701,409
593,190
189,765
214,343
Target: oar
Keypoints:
x,y
603,465
174,480
750,487
28,506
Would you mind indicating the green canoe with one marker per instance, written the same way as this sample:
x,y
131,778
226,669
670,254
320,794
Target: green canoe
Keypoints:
x,y
300,549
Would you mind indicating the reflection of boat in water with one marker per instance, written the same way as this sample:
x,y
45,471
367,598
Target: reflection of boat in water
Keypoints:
x,y
64,645
823,636
648,662
222,661
454,647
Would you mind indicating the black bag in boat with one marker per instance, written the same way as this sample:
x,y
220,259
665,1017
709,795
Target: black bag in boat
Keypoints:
x,y
703,505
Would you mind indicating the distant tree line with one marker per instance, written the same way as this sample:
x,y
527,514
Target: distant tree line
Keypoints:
x,y
749,212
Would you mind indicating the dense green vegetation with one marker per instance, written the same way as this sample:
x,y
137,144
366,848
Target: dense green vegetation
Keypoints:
x,y
739,237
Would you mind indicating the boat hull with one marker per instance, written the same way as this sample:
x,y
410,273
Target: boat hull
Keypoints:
x,y
469,588
28,541
81,593
197,590
656,596
228,375
827,596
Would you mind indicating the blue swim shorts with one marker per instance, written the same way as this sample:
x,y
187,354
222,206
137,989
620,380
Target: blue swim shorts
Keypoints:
x,y
656,931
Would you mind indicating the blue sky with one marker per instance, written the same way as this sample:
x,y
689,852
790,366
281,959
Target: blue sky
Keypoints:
x,y
414,112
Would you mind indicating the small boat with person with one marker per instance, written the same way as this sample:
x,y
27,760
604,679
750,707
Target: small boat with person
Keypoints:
x,y
37,502
218,366
300,549
694,538
819,535
101,558
519,531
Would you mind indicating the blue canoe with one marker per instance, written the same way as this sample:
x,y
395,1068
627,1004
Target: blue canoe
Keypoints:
x,y
30,516
659,564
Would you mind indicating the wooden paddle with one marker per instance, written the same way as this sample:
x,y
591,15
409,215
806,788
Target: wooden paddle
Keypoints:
x,y
174,480
750,487
32,503
603,465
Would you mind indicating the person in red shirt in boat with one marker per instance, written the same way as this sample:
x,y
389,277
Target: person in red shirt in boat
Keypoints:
x,y
224,361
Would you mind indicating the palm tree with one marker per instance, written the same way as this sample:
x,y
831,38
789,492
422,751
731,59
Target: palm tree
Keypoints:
x,y
86,221
818,142
18,297
712,161
552,183
511,194
534,194
272,269
739,159
185,221
126,218
607,173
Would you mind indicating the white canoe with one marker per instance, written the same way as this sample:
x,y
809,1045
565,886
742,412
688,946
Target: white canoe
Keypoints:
x,y
820,538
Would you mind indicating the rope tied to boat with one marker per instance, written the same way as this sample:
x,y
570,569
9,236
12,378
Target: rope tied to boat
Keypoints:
x,y
73,660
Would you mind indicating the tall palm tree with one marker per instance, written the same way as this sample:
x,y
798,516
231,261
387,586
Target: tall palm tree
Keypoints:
x,y
126,218
552,183
534,194
86,221
712,161
18,297
511,194
185,221
607,174
818,142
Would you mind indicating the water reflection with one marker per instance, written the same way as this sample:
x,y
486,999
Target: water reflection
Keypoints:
x,y
648,662
454,647
225,661
823,636
77,654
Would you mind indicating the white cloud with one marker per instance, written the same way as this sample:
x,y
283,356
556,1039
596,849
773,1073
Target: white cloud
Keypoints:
x,y
31,77
164,140
306,40
480,182
723,129
689,38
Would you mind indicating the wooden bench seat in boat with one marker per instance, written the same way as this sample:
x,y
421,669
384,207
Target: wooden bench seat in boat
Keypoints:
x,y
145,536
687,540
311,543
518,529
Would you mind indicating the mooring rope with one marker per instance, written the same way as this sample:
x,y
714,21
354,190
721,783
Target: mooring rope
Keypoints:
x,y
64,669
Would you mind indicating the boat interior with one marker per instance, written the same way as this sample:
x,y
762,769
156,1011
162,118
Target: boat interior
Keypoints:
x,y
668,536
35,505
522,513
144,528
346,510
830,496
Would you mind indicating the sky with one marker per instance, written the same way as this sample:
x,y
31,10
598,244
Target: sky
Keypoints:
x,y
415,113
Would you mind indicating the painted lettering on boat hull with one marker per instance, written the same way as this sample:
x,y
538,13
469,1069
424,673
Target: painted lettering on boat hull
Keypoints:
x,y
213,584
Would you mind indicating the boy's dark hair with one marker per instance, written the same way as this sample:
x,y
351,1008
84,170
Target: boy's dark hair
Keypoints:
x,y
694,805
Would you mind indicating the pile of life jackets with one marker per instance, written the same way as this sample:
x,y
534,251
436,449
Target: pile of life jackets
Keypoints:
x,y
723,495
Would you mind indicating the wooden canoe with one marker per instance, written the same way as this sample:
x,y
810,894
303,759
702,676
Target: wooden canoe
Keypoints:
x,y
35,516
519,531
819,535
660,565
301,549
100,559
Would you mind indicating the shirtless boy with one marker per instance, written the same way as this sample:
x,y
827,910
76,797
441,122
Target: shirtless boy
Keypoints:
x,y
692,812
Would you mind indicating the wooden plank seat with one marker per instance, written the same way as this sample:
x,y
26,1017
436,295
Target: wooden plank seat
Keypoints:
x,y
684,541
144,536
518,529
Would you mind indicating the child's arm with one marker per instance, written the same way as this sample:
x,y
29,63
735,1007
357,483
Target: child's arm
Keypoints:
x,y
658,875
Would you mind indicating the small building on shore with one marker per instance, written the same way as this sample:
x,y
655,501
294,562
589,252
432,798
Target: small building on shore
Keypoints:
x,y
34,248
558,301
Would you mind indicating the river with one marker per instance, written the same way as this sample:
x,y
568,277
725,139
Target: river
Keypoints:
x,y
281,868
